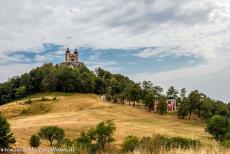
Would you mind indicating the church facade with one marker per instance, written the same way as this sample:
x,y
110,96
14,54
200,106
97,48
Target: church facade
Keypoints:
x,y
71,59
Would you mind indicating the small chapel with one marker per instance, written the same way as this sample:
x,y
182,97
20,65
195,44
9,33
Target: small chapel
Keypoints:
x,y
71,59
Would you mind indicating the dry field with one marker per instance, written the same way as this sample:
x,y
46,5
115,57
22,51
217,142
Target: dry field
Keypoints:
x,y
75,112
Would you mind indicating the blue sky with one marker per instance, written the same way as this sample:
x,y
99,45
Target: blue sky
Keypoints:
x,y
169,42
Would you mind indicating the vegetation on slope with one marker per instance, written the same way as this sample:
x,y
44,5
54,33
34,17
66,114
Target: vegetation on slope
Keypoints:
x,y
115,87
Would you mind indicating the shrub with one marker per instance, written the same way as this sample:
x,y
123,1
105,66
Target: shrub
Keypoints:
x,y
6,137
226,143
52,133
151,144
34,140
130,143
218,126
29,101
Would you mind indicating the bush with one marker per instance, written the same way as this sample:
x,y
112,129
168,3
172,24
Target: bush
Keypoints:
x,y
29,101
34,141
130,143
218,126
151,144
226,143
52,133
6,137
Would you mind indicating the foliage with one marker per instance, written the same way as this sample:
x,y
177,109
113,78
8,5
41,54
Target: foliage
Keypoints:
x,y
149,100
157,143
219,127
130,143
34,140
96,138
162,105
52,133
6,137
183,108
179,142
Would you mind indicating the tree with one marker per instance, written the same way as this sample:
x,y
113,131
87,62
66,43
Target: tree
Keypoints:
x,y
205,108
149,100
183,93
20,92
52,133
146,87
218,126
104,133
162,105
96,138
6,137
135,92
172,92
194,100
183,108
34,140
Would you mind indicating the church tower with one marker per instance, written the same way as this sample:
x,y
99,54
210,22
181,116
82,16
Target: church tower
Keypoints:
x,y
71,59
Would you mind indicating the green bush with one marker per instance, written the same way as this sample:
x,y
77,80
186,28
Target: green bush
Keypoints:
x,y
34,140
218,126
130,143
226,143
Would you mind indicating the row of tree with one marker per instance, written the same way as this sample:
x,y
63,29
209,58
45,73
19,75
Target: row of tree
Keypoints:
x,y
116,87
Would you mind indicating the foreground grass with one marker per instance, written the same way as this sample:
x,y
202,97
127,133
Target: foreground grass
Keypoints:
x,y
76,112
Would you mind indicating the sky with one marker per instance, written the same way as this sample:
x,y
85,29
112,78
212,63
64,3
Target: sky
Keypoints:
x,y
182,43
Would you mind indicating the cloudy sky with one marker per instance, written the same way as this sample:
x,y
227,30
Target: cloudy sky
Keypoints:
x,y
170,42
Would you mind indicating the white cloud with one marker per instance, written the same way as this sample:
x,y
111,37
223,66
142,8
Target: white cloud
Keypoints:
x,y
200,28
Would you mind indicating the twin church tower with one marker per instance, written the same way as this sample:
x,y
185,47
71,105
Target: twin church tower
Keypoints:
x,y
71,59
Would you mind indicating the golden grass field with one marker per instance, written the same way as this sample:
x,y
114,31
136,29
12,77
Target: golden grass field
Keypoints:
x,y
76,112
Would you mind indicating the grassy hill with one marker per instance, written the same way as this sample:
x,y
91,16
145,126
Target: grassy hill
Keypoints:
x,y
75,112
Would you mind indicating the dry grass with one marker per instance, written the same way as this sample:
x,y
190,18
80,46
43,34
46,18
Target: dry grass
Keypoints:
x,y
76,112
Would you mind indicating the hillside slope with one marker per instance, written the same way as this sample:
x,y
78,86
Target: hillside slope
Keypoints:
x,y
75,112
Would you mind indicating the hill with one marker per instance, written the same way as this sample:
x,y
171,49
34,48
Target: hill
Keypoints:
x,y
75,112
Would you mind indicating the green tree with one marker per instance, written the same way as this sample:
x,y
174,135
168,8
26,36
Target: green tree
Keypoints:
x,y
162,105
218,126
194,100
103,133
52,133
149,100
183,93
34,140
96,138
205,108
172,92
135,93
6,137
183,109
20,92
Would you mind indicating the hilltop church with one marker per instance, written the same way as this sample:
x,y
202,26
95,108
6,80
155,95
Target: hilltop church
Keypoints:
x,y
71,59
